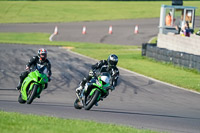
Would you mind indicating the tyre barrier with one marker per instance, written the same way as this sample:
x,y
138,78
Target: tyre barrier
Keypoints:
x,y
175,57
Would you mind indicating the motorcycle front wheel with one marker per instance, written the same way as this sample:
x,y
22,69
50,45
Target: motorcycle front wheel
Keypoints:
x,y
89,101
31,94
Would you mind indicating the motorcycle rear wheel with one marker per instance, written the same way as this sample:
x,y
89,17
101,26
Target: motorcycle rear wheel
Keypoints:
x,y
32,94
89,101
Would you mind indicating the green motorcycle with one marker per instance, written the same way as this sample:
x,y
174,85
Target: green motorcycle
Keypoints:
x,y
94,91
33,85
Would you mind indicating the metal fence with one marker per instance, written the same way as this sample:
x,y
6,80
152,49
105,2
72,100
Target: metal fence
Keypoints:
x,y
178,58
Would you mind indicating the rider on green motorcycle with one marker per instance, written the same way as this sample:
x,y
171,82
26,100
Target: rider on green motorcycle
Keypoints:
x,y
110,64
36,61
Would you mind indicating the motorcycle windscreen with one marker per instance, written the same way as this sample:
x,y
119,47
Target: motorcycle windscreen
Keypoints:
x,y
42,69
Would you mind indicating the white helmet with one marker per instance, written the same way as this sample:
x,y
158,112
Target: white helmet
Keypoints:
x,y
112,60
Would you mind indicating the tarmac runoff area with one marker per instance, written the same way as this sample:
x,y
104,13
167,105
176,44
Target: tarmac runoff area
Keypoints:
x,y
138,101
123,31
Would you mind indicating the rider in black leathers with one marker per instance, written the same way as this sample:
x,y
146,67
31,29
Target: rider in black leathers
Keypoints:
x,y
40,60
110,64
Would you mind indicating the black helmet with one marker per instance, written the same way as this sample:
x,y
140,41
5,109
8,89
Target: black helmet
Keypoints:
x,y
112,60
42,54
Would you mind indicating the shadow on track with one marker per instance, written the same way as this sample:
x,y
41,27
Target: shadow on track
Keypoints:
x,y
143,114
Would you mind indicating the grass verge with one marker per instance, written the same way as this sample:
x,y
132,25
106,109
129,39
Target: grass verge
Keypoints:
x,y
129,58
20,123
71,11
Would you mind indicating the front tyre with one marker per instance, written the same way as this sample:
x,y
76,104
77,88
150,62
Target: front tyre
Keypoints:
x,y
89,101
31,94
77,104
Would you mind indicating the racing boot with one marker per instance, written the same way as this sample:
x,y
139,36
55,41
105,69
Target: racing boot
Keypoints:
x,y
96,104
21,79
19,85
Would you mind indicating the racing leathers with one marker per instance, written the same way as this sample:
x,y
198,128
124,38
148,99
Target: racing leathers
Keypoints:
x,y
113,70
35,62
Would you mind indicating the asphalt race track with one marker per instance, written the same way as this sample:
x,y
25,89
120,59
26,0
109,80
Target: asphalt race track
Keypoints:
x,y
137,101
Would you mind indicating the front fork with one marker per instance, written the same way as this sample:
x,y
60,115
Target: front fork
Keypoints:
x,y
80,96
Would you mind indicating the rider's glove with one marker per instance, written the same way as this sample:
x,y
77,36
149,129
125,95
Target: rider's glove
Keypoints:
x,y
112,88
91,73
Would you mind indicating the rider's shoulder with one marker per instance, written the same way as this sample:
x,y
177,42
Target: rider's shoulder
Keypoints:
x,y
35,57
48,61
116,69
105,62
101,63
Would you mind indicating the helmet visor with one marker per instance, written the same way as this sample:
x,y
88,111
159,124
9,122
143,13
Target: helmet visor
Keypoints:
x,y
43,56
112,63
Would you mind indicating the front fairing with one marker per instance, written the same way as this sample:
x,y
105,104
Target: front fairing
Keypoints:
x,y
33,78
38,77
96,84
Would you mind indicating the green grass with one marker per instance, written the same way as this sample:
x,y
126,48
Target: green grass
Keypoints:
x,y
70,11
129,58
20,123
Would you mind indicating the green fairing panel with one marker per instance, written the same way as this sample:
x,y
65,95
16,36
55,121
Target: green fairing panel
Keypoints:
x,y
31,77
92,91
25,84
